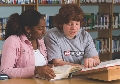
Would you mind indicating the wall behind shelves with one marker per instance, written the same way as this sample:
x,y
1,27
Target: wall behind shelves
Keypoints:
x,y
116,9
49,10
6,11
116,32
90,9
1,43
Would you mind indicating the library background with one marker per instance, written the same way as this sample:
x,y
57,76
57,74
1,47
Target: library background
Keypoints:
x,y
102,20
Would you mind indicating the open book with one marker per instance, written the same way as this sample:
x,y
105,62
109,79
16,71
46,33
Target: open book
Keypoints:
x,y
107,71
105,64
64,71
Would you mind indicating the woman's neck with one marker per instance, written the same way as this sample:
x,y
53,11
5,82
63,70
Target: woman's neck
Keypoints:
x,y
34,44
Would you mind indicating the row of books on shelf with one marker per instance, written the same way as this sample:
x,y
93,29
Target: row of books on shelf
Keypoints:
x,y
101,21
93,21
2,34
97,1
102,45
39,1
115,44
49,21
50,1
116,1
70,1
3,22
57,1
17,1
96,21
116,20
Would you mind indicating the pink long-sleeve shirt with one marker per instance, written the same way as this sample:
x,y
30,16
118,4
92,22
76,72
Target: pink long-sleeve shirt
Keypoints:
x,y
18,57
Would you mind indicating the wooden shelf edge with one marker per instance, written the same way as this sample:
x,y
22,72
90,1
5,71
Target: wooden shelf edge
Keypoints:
x,y
50,4
104,53
116,4
116,29
94,4
116,52
1,39
98,30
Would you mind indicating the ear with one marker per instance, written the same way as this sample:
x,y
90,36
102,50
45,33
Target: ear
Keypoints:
x,y
27,29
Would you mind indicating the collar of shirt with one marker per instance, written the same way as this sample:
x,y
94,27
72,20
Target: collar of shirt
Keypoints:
x,y
23,38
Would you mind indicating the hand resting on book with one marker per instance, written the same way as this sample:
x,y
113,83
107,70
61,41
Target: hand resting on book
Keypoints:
x,y
110,63
63,71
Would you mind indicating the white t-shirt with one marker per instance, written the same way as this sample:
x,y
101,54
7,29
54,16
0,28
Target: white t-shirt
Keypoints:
x,y
39,58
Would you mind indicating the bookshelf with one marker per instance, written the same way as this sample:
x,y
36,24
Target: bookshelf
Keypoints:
x,y
107,8
102,8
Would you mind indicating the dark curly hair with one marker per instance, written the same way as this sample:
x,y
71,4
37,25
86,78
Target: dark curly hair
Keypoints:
x,y
16,22
67,13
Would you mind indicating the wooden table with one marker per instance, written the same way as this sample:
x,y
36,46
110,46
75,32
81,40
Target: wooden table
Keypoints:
x,y
74,80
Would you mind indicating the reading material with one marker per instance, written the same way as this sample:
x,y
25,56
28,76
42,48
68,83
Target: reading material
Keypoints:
x,y
107,71
64,71
110,63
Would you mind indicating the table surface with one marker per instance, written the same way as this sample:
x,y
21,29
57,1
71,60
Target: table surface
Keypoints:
x,y
74,80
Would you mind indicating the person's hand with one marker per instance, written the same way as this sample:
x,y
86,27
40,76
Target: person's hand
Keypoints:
x,y
45,71
89,63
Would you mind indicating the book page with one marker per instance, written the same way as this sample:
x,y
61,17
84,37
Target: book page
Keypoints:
x,y
62,71
104,64
65,69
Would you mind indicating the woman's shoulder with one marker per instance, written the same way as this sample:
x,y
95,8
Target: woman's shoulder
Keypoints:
x,y
12,39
